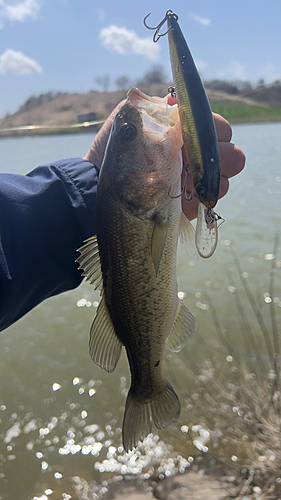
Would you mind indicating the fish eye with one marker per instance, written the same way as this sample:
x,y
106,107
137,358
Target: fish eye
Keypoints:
x,y
128,132
202,193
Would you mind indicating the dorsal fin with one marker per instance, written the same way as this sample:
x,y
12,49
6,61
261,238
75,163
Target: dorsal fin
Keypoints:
x,y
89,261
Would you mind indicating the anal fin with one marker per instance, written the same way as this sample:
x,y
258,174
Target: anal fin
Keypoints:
x,y
183,328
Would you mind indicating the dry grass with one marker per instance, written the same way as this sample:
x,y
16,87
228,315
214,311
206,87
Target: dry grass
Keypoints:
x,y
236,394
63,110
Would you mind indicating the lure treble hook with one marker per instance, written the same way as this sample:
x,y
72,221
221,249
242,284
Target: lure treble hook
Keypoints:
x,y
157,28
172,91
212,217
183,190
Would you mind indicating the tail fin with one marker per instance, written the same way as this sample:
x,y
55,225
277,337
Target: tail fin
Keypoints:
x,y
162,410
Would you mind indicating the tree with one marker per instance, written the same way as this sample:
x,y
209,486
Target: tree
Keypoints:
x,y
155,75
123,82
103,82
223,86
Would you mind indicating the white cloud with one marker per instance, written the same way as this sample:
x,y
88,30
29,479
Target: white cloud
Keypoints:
x,y
201,20
235,71
18,10
200,64
16,63
124,41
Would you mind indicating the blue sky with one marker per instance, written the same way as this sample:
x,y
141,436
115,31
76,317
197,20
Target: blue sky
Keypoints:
x,y
64,45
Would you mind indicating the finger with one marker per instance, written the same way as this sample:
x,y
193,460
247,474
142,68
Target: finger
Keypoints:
x,y
190,208
232,162
224,130
232,159
224,186
171,100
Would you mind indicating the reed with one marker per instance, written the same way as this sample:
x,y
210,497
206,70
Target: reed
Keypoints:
x,y
233,392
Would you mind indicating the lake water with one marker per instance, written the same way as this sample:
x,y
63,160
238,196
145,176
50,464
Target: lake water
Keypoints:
x,y
60,415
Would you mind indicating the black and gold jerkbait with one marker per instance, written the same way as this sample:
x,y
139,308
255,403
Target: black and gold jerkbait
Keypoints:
x,y
197,123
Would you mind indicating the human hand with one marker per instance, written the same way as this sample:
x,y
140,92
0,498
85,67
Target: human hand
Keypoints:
x,y
231,156
232,161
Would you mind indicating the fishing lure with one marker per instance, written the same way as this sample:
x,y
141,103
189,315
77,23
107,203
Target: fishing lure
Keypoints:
x,y
206,234
198,130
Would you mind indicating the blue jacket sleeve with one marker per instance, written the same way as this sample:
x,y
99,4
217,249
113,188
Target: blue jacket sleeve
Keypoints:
x,y
45,216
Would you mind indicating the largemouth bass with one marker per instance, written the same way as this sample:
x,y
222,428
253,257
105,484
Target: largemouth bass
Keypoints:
x,y
132,259
199,133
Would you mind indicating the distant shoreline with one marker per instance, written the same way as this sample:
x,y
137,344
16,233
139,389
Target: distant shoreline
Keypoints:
x,y
75,113
93,129
45,132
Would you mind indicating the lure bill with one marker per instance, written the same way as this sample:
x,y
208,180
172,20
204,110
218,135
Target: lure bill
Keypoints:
x,y
206,235
198,130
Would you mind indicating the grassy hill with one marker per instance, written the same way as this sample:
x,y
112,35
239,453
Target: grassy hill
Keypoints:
x,y
58,111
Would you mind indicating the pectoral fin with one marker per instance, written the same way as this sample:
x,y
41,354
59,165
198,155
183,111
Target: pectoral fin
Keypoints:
x,y
182,330
89,261
105,346
158,241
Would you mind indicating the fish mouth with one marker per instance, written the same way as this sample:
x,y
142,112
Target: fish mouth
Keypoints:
x,y
161,127
157,115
